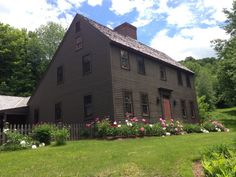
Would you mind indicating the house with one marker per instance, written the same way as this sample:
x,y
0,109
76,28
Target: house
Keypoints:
x,y
99,72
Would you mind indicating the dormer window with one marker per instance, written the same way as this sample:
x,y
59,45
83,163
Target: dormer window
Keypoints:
x,y
124,59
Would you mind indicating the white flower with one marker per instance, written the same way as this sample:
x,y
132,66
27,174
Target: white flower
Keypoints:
x,y
5,130
119,125
23,143
115,123
167,133
219,130
129,124
150,125
227,130
162,136
126,120
164,128
34,146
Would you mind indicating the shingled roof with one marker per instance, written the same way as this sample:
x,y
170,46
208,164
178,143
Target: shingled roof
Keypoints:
x,y
134,44
11,102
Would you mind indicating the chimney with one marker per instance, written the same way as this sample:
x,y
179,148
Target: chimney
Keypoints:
x,y
127,29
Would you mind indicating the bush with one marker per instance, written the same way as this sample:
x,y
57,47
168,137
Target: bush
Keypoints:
x,y
219,161
209,126
192,128
15,141
60,135
103,128
42,133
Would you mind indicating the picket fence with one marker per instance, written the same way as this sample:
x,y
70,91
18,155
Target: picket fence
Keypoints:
x,y
77,131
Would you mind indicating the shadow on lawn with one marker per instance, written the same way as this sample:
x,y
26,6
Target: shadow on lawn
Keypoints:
x,y
230,112
229,123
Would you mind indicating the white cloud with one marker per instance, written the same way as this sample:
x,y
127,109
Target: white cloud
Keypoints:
x,y
193,42
180,16
95,2
121,7
31,14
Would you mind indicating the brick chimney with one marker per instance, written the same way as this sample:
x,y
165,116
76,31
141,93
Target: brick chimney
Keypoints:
x,y
127,29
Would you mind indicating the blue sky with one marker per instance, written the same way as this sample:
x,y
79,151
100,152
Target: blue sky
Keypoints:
x,y
180,28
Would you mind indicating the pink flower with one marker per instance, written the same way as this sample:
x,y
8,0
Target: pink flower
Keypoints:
x,y
142,129
171,120
88,125
143,120
163,124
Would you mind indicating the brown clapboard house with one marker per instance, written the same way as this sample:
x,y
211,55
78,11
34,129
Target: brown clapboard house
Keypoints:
x,y
99,72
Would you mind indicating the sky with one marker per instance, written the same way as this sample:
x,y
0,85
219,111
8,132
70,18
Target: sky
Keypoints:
x,y
180,28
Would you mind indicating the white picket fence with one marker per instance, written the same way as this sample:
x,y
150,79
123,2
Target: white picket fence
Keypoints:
x,y
77,131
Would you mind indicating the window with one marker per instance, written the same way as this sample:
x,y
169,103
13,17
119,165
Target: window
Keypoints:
x,y
36,116
87,65
88,110
58,112
180,80
192,110
163,73
77,26
78,43
60,75
141,65
144,105
124,59
188,81
183,109
128,102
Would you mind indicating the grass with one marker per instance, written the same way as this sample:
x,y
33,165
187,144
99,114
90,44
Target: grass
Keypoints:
x,y
226,116
151,156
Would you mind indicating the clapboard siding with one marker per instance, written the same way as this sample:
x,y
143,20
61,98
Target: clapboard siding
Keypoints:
x,y
148,83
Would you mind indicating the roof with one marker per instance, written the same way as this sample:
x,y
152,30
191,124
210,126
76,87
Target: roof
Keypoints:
x,y
11,102
134,44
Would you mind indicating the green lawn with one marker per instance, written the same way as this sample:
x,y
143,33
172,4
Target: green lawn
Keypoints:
x,y
154,156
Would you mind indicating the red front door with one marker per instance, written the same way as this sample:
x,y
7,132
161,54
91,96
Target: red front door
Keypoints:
x,y
166,108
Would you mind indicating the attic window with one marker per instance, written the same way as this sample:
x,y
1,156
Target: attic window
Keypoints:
x,y
60,75
188,81
78,43
163,73
77,26
124,59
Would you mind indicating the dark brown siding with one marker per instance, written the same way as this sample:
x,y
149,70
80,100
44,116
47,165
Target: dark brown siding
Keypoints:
x,y
76,85
148,83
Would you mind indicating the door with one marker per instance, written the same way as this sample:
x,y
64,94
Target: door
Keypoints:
x,y
166,108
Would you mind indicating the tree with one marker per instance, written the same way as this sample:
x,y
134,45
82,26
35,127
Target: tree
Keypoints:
x,y
50,36
226,51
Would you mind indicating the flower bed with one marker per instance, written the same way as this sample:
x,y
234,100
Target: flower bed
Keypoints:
x,y
139,127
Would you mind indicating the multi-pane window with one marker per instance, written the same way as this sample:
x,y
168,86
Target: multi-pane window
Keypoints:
x,y
78,43
36,116
144,104
163,73
192,110
180,79
183,108
60,75
128,102
58,112
87,64
188,81
77,26
141,65
124,59
88,109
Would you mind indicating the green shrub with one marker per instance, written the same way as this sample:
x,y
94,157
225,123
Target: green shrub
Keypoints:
x,y
219,161
15,141
192,128
157,130
209,126
42,133
103,128
60,135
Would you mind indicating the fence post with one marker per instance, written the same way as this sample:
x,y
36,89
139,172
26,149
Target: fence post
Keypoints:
x,y
5,126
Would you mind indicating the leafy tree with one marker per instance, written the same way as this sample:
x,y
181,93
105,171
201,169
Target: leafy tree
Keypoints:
x,y
50,36
226,50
